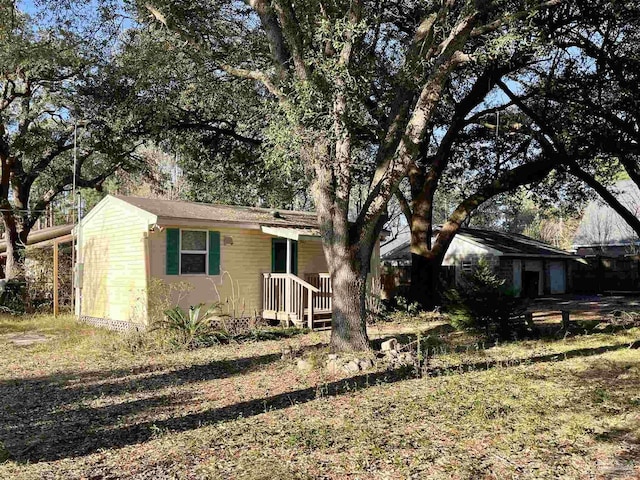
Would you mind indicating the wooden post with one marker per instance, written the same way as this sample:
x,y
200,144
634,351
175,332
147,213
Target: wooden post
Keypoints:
x,y
55,280
528,319
288,267
287,294
310,309
565,320
288,281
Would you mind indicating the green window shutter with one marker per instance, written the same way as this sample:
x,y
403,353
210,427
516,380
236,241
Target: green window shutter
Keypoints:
x,y
214,253
173,251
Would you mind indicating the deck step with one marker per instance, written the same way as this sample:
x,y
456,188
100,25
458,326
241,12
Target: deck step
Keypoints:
x,y
318,312
321,318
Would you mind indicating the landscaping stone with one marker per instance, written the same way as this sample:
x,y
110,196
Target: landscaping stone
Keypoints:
x,y
333,366
389,345
365,364
304,365
332,356
352,367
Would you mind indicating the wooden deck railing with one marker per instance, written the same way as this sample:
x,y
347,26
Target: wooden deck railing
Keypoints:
x,y
323,300
287,293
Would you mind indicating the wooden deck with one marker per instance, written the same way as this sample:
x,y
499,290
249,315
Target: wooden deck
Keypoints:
x,y
294,301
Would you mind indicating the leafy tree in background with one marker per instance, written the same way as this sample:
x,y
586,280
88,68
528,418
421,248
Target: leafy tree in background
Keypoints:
x,y
584,103
511,212
211,126
470,158
580,104
49,76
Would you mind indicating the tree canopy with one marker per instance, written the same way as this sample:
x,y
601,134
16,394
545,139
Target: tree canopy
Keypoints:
x,y
351,106
53,98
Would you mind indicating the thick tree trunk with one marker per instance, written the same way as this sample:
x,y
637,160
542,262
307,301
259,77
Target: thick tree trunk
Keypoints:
x,y
349,322
348,260
16,242
426,257
424,271
425,275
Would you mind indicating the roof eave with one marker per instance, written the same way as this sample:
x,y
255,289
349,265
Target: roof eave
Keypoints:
x,y
567,256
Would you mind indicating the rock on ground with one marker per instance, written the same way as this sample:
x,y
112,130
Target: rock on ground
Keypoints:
x,y
389,345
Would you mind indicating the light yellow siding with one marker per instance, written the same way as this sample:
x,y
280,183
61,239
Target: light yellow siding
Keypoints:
x,y
122,255
311,257
114,280
244,256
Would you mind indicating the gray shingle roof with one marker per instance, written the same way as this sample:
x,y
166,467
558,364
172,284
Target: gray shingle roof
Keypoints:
x,y
510,244
601,225
172,209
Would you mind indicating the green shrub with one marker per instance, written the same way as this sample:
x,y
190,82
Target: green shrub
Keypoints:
x,y
12,296
406,307
191,328
483,303
163,296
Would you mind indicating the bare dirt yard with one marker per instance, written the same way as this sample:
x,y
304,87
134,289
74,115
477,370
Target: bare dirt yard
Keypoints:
x,y
80,405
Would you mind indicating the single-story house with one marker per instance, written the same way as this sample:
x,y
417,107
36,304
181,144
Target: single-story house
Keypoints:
x,y
254,261
609,244
528,266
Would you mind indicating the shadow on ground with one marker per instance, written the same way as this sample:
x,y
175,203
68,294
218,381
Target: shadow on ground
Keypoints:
x,y
546,332
37,423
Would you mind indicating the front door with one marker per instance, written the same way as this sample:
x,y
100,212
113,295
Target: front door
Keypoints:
x,y
557,277
279,256
530,284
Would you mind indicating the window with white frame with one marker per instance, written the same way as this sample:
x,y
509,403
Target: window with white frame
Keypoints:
x,y
193,252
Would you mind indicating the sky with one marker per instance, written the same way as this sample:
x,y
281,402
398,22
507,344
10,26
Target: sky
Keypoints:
x,y
80,15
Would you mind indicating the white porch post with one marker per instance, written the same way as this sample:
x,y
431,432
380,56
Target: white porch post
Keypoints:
x,y
287,283
288,269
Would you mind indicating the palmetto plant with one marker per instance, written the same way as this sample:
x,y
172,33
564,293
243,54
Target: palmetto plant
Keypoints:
x,y
190,327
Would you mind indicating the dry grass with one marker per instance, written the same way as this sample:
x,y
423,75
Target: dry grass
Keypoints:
x,y
80,407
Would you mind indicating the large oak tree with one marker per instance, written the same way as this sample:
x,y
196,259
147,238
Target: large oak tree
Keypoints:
x,y
52,98
356,85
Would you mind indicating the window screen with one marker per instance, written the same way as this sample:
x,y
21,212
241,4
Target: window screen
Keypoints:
x,y
193,252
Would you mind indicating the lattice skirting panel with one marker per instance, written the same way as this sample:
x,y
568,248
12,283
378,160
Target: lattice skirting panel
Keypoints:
x,y
238,325
117,325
